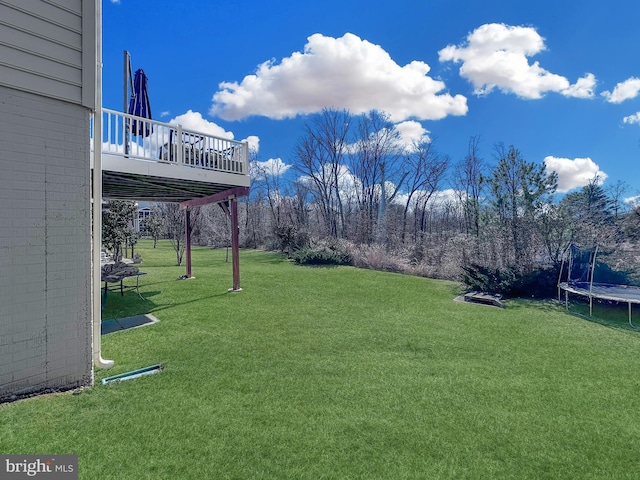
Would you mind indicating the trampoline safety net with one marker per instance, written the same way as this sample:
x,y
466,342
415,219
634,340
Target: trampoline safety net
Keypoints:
x,y
600,273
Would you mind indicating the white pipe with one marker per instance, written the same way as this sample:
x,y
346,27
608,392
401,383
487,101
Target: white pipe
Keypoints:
x,y
96,303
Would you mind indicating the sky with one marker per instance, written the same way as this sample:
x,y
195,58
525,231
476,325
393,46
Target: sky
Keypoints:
x,y
559,80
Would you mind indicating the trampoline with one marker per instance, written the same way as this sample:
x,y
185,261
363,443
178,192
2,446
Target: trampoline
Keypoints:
x,y
580,270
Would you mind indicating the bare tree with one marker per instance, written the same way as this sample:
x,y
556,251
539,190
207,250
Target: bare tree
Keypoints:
x,y
374,163
215,230
555,230
267,177
616,193
174,222
426,169
467,182
255,215
300,204
319,156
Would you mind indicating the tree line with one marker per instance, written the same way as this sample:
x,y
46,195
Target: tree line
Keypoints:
x,y
359,192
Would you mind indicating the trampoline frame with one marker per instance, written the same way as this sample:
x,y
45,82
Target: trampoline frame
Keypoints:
x,y
590,289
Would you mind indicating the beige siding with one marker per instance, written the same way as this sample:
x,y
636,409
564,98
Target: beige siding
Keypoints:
x,y
48,47
45,244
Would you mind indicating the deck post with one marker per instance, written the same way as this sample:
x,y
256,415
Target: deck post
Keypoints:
x,y
228,201
187,233
235,245
179,145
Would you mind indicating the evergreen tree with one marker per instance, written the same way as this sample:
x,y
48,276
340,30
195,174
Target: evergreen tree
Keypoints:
x,y
590,215
520,191
118,227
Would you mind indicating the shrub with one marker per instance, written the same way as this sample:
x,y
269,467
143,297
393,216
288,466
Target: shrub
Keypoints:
x,y
330,253
488,279
291,239
540,283
376,257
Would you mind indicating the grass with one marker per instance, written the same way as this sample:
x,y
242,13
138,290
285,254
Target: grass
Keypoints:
x,y
341,373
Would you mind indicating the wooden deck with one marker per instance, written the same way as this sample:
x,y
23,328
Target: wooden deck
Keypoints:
x,y
167,163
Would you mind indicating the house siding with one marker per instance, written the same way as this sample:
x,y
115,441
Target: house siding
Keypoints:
x,y
45,244
48,47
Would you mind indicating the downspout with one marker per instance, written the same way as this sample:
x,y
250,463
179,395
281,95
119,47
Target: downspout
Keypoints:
x,y
96,303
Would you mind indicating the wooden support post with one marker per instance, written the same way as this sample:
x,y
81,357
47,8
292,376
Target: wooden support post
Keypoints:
x,y
235,245
187,227
228,200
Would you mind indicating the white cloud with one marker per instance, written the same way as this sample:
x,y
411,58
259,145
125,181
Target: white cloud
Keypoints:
x,y
272,167
496,56
194,121
410,132
345,72
166,113
253,141
574,173
623,91
348,182
444,197
633,201
635,118
439,198
583,88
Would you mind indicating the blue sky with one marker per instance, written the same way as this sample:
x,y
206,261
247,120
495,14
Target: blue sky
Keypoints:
x,y
559,80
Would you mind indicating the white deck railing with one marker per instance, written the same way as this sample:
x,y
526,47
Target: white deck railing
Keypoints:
x,y
138,138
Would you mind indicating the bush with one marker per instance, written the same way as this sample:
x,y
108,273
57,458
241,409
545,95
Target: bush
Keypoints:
x,y
540,283
322,254
487,279
291,239
377,257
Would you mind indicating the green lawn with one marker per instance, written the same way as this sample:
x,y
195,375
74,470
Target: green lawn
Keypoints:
x,y
341,373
